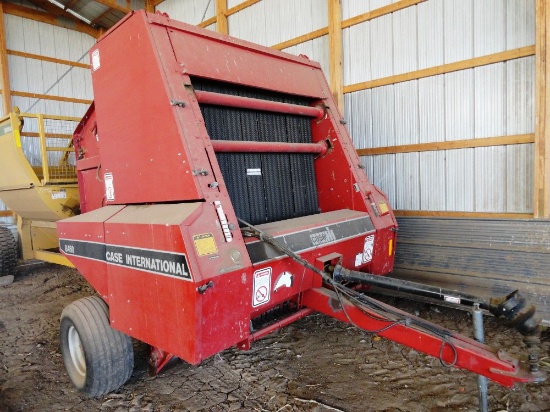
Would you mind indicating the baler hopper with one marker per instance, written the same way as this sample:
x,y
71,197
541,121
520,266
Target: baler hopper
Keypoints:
x,y
219,191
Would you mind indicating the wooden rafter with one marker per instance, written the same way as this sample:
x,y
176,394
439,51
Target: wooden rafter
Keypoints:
x,y
101,16
221,16
5,75
335,51
70,4
114,5
43,17
53,10
542,111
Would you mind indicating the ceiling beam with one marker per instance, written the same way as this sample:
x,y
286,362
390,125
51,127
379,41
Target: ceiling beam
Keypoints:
x,y
43,17
114,4
70,4
53,9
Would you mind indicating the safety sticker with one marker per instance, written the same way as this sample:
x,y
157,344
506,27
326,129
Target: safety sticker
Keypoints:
x,y
205,244
262,287
109,186
368,247
253,172
95,60
59,194
366,255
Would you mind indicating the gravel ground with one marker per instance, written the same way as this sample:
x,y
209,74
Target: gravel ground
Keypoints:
x,y
315,364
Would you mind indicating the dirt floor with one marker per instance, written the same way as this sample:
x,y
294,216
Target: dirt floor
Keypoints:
x,y
316,364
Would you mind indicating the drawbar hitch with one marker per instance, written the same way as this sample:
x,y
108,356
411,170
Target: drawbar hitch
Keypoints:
x,y
513,307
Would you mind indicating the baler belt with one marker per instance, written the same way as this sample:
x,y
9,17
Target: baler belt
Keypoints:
x,y
263,187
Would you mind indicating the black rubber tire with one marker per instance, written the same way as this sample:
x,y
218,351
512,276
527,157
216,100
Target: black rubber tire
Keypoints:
x,y
98,358
8,252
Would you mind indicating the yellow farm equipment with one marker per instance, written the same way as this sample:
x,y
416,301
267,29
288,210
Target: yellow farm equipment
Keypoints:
x,y
38,184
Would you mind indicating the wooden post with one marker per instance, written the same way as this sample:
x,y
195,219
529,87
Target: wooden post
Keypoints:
x,y
542,112
221,17
6,89
149,6
335,51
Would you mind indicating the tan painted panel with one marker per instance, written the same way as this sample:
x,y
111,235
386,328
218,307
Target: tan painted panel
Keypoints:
x,y
15,171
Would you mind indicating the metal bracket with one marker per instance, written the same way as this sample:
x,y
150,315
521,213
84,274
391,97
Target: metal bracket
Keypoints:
x,y
178,103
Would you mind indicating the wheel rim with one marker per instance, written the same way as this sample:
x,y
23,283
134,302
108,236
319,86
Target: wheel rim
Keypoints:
x,y
76,351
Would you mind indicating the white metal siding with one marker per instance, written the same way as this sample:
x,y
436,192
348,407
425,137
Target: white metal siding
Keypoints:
x,y
487,101
189,11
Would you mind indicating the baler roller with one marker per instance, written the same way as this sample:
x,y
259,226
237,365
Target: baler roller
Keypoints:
x,y
220,99
234,146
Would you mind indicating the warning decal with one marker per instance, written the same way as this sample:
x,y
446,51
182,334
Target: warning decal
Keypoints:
x,y
95,59
262,287
365,256
109,186
205,244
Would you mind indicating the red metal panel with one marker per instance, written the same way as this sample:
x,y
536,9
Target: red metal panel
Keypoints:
x,y
141,143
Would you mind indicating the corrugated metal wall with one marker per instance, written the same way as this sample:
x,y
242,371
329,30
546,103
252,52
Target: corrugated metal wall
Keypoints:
x,y
489,101
192,11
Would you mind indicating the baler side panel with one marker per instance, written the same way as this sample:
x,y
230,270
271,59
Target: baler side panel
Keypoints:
x,y
88,164
82,241
141,143
157,309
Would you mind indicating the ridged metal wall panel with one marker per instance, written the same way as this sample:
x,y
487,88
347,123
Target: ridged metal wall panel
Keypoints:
x,y
431,109
189,11
356,57
430,34
316,50
270,22
480,256
432,181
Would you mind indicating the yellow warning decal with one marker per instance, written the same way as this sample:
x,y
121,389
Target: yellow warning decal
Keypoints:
x,y
383,207
205,244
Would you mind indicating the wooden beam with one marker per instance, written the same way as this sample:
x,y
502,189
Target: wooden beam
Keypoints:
x,y
208,22
301,39
70,4
241,6
221,16
345,23
54,10
98,18
470,215
335,52
445,68
449,145
113,4
50,97
47,59
5,75
42,17
6,213
382,11
149,6
155,3
542,111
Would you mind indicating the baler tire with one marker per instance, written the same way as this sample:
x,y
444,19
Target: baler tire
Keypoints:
x,y
8,252
98,358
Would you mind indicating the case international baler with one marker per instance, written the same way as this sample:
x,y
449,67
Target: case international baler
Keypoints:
x,y
222,199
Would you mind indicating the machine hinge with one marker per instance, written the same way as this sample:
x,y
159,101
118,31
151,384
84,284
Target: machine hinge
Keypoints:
x,y
178,103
